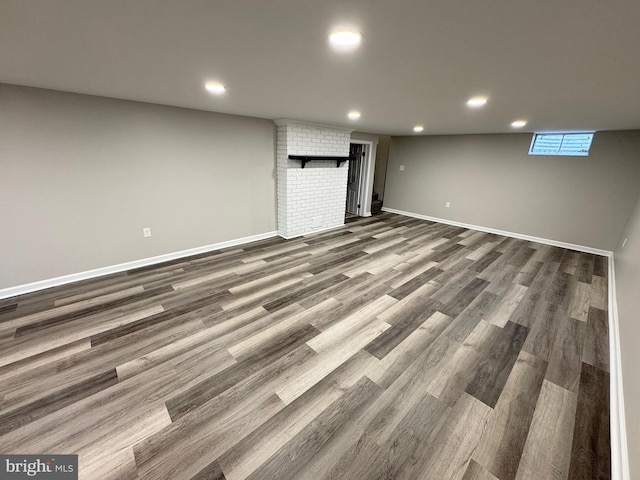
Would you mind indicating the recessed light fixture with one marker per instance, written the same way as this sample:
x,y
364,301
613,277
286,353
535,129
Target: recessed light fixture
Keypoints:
x,y
353,115
518,123
215,88
476,102
418,128
345,39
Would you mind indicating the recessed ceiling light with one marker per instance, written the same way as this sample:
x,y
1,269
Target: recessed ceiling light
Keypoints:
x,y
345,39
353,115
418,128
215,88
477,101
518,123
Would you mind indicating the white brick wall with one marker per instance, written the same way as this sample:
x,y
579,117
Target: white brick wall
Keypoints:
x,y
313,197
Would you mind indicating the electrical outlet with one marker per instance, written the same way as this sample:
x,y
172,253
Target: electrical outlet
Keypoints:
x,y
448,204
146,232
402,168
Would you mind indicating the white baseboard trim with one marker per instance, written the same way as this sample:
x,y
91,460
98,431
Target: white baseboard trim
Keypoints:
x,y
311,232
619,448
99,272
530,238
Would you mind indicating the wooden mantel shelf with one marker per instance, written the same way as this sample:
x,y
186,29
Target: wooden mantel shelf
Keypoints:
x,y
308,158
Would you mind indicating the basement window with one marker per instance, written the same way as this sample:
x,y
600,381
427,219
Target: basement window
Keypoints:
x,y
571,144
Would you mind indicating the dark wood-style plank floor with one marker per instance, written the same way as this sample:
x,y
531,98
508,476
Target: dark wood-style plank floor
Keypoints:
x,y
391,348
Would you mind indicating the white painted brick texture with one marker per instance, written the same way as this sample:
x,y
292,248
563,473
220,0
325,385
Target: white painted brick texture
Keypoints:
x,y
314,197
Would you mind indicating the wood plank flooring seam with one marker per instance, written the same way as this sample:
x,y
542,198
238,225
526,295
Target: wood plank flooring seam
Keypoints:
x,y
392,347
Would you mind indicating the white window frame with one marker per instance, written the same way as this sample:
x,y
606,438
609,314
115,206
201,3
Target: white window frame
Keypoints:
x,y
560,152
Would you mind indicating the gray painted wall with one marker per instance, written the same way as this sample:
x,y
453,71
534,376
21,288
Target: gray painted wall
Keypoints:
x,y
81,176
627,266
382,158
491,181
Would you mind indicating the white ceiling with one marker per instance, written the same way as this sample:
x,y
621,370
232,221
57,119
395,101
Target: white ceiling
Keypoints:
x,y
560,64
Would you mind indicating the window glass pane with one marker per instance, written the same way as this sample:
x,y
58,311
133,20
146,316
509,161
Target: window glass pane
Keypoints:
x,y
547,144
576,144
561,144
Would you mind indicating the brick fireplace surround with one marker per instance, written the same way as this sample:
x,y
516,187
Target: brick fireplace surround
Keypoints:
x,y
312,198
